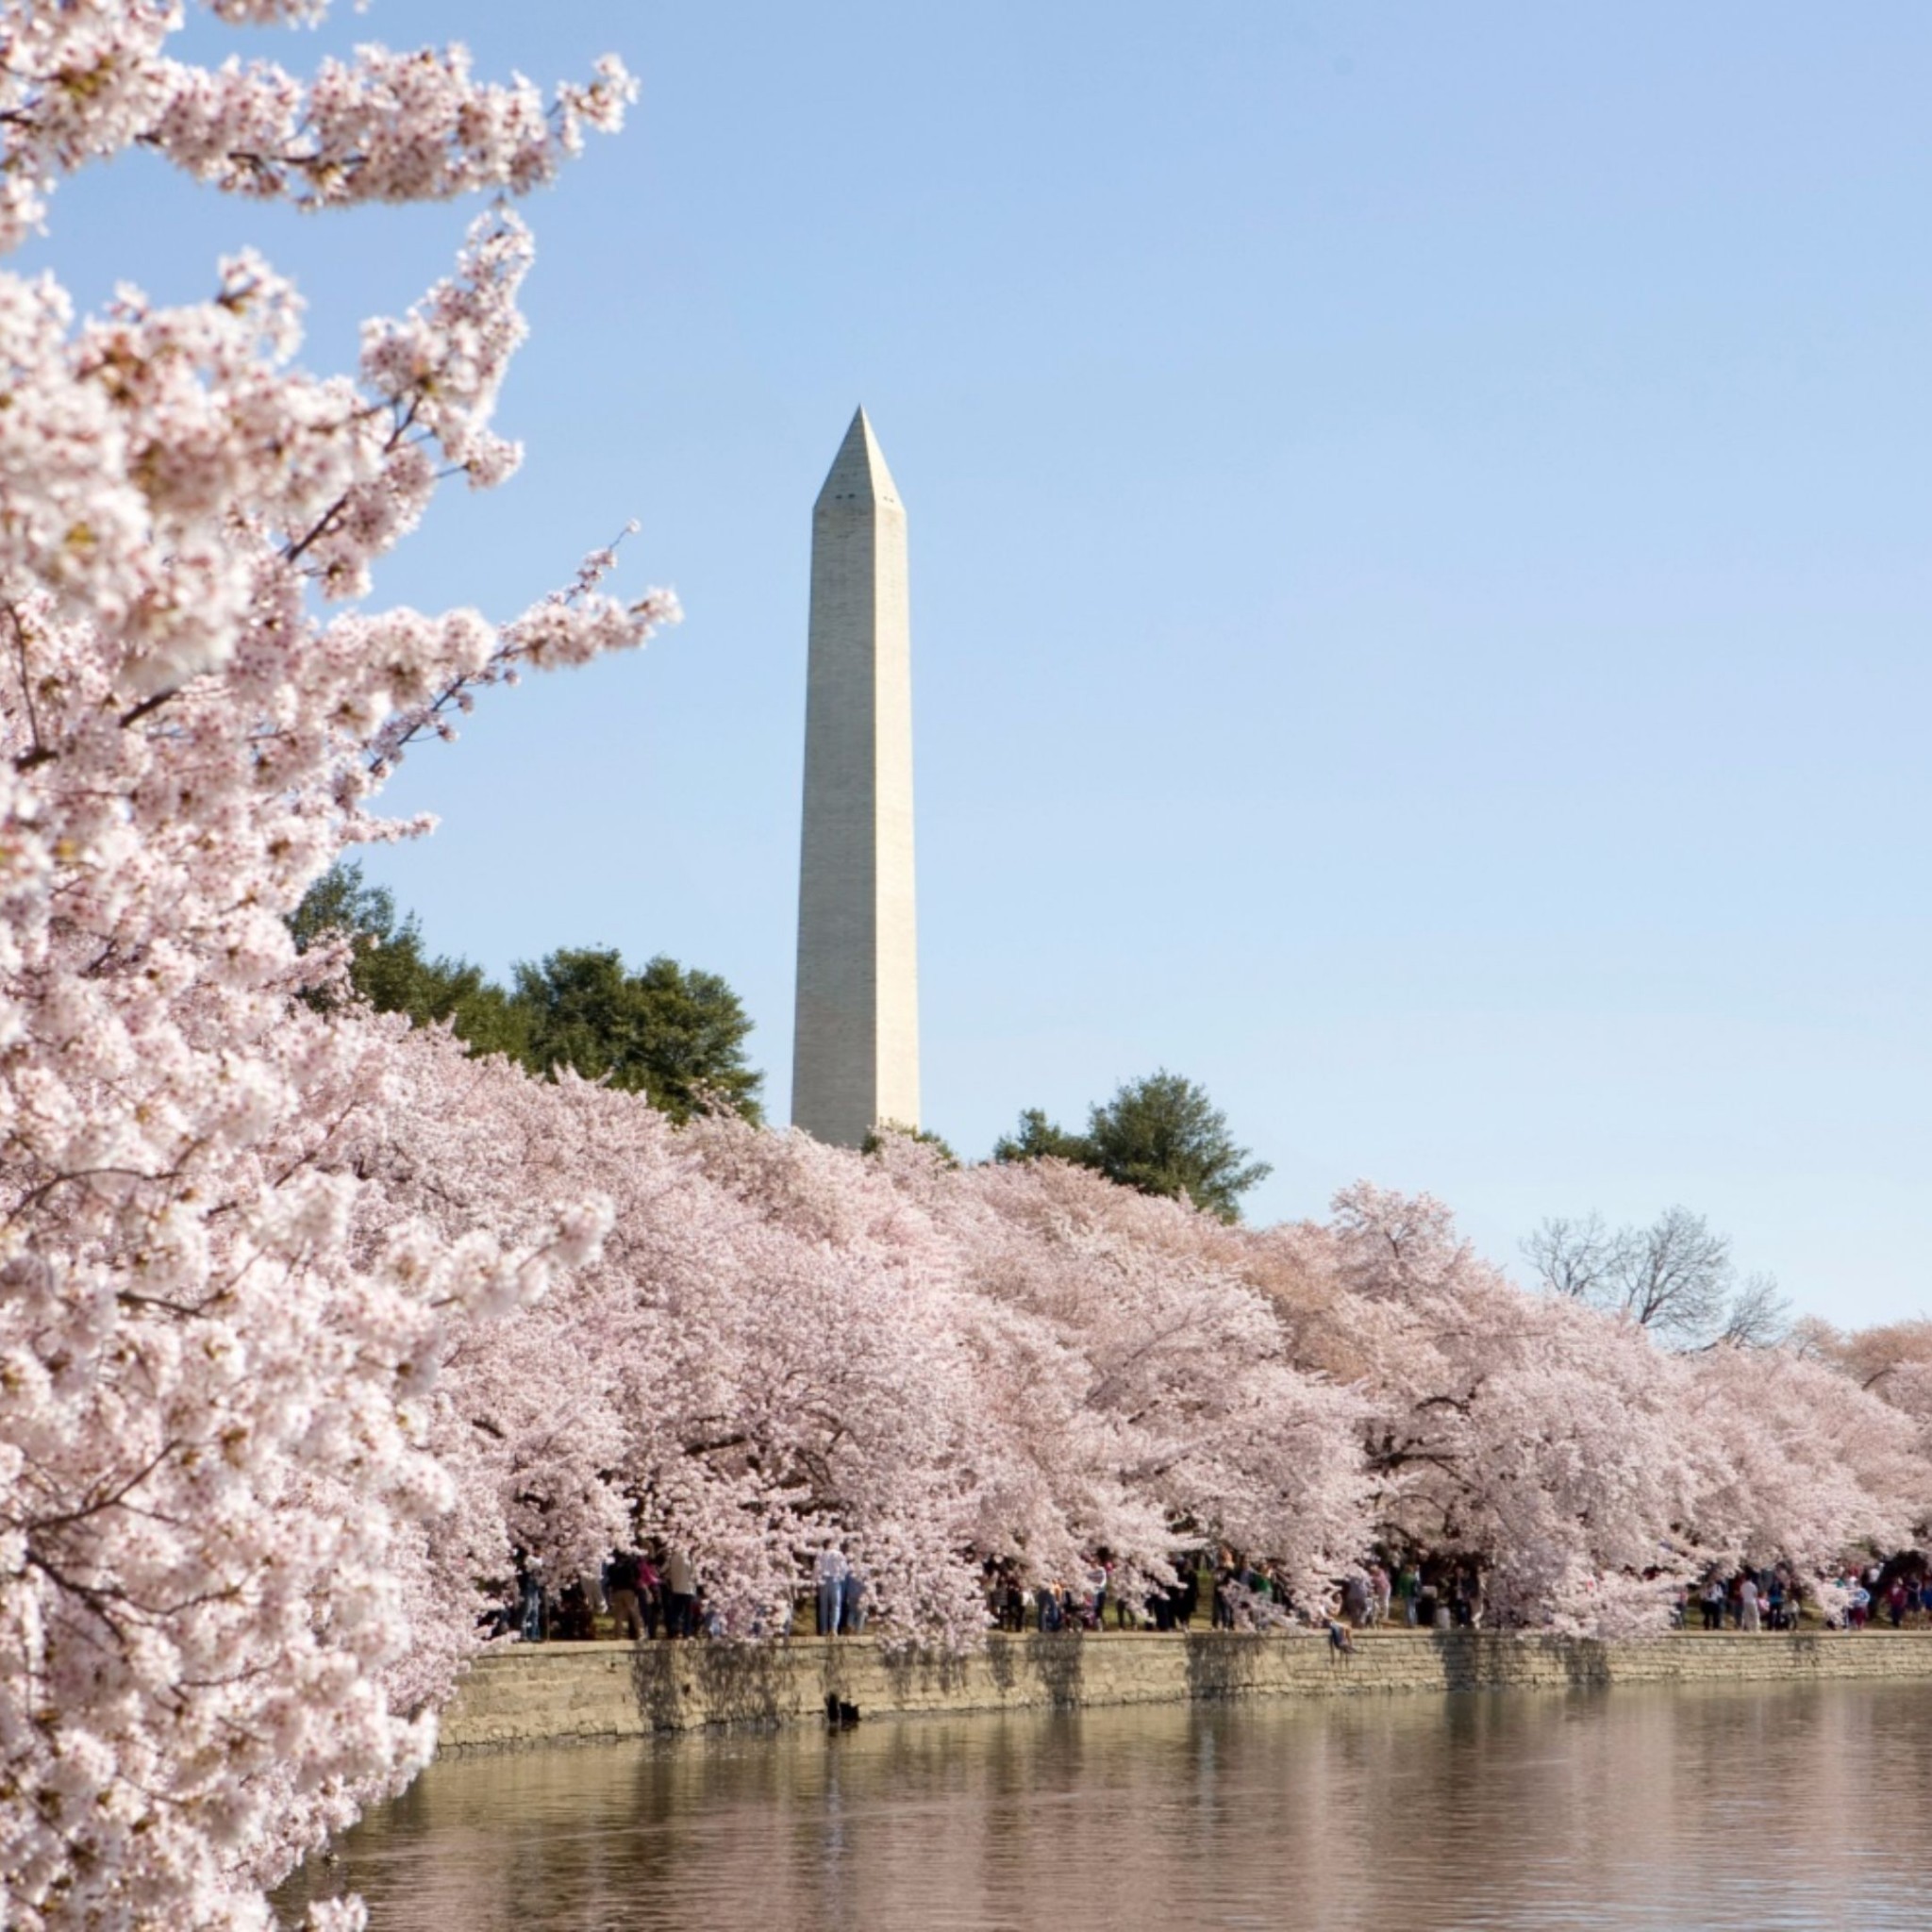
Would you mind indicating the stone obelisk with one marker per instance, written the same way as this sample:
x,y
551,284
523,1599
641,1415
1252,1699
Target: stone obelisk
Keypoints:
x,y
855,1049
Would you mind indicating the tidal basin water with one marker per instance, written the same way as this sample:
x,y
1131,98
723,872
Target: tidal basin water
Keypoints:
x,y
1807,1806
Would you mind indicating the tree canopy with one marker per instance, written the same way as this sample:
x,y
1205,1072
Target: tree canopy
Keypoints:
x,y
1161,1134
673,1033
670,1032
223,1589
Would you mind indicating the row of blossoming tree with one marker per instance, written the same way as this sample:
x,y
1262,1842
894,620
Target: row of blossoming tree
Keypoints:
x,y
308,1322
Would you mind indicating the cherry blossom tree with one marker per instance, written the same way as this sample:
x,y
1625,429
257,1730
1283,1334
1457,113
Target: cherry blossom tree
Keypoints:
x,y
1893,1361
1143,1396
1529,1433
783,1343
1557,1446
727,1376
216,1359
1806,1465
1023,1362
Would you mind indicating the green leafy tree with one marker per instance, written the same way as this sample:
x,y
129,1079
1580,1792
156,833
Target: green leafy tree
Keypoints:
x,y
1038,1138
673,1033
1162,1135
391,969
677,1035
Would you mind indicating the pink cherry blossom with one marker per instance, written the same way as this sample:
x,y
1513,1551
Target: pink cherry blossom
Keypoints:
x,y
217,1356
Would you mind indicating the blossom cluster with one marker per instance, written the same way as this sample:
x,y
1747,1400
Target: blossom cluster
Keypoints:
x,y
87,79
216,1457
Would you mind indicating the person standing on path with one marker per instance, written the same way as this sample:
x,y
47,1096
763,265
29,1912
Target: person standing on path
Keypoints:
x,y
1355,1599
1747,1604
650,1595
680,1592
831,1576
531,1618
620,1592
852,1599
1380,1592
1407,1587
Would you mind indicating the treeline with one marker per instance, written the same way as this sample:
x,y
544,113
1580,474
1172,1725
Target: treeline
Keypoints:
x,y
1016,1364
671,1033
678,1034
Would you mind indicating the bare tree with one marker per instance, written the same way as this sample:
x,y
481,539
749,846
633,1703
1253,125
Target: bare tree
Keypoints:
x,y
1675,1277
1580,1258
1679,1278
1758,1316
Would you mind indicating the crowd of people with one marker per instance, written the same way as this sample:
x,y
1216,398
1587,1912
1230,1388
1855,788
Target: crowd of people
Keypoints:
x,y
1900,1593
1240,1593
644,1595
1767,1599
1777,1597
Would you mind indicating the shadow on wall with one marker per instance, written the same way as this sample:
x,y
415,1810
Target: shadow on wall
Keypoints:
x,y
1055,1657
1497,1659
1223,1663
730,1684
1586,1660
913,1678
679,1686
912,1675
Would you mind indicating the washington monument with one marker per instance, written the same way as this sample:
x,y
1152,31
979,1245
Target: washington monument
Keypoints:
x,y
856,1047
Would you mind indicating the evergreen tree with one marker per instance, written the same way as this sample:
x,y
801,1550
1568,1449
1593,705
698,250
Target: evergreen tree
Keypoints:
x,y
1038,1138
675,1035
391,969
1162,1135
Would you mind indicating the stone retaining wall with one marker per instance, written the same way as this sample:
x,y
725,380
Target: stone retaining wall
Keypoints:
x,y
582,1692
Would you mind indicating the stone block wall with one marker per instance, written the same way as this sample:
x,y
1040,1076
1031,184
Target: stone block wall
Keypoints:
x,y
583,1693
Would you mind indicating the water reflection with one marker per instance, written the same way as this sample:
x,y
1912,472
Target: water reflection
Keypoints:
x,y
1791,1808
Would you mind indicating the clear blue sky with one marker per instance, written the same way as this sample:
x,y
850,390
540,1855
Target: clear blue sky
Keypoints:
x,y
1420,565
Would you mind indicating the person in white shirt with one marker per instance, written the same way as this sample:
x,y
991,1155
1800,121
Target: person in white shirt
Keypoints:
x,y
681,1593
831,1577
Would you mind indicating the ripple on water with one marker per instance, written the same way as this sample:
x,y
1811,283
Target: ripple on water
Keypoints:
x,y
1780,1811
